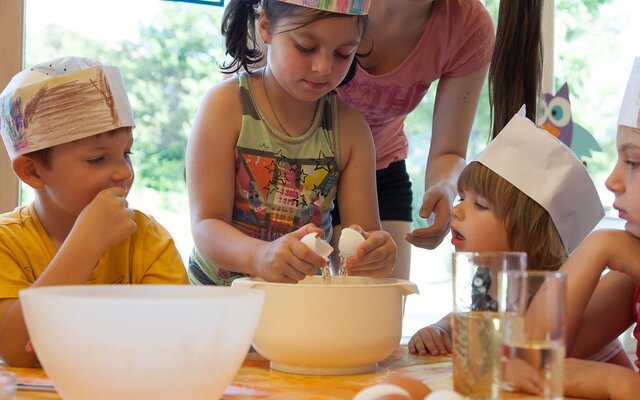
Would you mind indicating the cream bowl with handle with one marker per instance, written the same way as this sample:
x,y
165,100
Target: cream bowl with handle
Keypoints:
x,y
341,328
141,342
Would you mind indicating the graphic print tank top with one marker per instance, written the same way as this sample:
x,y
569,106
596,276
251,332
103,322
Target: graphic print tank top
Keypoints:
x,y
282,183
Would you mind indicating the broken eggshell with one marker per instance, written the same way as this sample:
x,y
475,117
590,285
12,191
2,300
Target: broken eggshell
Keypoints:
x,y
350,239
319,245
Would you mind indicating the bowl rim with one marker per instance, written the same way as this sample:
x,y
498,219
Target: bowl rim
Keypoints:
x,y
368,282
139,292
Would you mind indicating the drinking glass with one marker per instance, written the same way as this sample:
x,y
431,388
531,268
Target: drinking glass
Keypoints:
x,y
533,343
476,320
7,385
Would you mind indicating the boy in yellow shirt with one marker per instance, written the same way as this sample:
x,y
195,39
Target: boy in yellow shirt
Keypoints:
x,y
67,125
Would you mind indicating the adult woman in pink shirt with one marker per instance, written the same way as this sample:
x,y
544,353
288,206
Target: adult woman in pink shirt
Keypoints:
x,y
412,43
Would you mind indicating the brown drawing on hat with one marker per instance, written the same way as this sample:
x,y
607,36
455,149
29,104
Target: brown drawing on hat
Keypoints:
x,y
70,109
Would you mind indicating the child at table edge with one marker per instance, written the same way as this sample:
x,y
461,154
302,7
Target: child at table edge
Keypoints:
x,y
600,309
496,198
271,149
68,128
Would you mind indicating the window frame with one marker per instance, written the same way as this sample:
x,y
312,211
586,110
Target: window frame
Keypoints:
x,y
12,48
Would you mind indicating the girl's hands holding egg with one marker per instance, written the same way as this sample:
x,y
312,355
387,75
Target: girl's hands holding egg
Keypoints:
x,y
288,259
317,244
375,257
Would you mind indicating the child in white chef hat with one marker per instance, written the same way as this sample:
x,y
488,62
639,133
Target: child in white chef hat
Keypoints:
x,y
526,192
67,126
600,309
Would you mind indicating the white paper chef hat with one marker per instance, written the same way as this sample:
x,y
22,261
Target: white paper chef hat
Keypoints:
x,y
547,171
630,110
59,101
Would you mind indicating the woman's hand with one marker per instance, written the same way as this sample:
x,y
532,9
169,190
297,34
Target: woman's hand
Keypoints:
x,y
375,257
436,205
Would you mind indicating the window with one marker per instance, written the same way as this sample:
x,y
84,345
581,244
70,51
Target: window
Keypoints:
x,y
168,52
11,44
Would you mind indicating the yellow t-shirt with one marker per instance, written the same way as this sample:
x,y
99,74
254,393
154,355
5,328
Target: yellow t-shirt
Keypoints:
x,y
149,255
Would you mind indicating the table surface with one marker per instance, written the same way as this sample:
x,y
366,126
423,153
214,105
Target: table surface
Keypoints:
x,y
256,380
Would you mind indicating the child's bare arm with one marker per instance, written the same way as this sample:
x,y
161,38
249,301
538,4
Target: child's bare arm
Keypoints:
x,y
14,336
358,200
597,380
433,339
454,110
211,181
613,292
614,248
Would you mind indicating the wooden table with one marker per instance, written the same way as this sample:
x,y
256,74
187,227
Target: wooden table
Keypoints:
x,y
255,379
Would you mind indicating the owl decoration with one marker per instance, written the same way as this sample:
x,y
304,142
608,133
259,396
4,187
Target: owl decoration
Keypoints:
x,y
554,116
480,297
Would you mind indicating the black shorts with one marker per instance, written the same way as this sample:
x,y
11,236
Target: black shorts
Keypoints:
x,y
394,194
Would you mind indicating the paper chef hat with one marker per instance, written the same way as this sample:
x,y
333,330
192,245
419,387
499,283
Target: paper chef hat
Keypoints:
x,y
547,171
60,101
355,7
630,110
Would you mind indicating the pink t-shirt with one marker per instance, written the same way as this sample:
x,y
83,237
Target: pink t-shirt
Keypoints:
x,y
457,40
636,316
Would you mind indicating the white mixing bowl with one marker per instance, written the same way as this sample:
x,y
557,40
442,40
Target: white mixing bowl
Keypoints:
x,y
141,342
340,328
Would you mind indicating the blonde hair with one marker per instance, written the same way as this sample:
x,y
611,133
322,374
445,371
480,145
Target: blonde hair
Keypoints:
x,y
528,225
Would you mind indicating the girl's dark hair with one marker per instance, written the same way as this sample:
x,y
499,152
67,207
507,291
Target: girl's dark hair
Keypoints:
x,y
239,29
516,67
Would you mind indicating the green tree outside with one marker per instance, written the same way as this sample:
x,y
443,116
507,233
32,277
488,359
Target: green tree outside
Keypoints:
x,y
177,57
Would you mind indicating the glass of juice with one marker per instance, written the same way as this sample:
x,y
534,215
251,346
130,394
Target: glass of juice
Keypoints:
x,y
476,321
533,341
